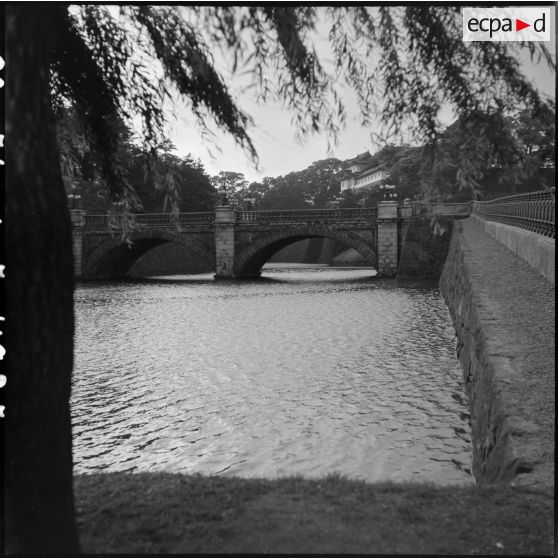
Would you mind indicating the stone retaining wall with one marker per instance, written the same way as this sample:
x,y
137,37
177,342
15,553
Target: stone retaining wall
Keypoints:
x,y
511,433
425,247
493,455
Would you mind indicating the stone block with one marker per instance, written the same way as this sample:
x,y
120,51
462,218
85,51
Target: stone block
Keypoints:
x,y
387,210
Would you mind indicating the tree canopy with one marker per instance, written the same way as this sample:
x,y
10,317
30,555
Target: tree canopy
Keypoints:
x,y
403,63
316,186
519,158
162,181
512,154
231,186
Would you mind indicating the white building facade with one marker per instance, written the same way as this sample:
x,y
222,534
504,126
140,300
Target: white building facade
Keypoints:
x,y
358,174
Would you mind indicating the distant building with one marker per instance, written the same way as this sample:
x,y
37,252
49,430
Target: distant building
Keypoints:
x,y
360,174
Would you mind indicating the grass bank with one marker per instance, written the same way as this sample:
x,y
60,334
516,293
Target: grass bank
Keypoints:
x,y
172,513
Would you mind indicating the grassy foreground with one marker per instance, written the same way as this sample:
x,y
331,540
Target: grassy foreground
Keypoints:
x,y
171,513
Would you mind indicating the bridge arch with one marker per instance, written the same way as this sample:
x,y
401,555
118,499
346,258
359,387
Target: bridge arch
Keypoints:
x,y
114,257
253,255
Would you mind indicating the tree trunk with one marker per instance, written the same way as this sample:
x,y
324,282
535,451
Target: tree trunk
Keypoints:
x,y
39,309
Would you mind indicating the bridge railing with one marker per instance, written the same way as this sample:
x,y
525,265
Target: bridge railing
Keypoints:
x,y
163,220
534,211
307,215
442,209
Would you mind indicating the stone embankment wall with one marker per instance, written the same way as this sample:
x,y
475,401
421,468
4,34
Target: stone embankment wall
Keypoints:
x,y
425,247
503,314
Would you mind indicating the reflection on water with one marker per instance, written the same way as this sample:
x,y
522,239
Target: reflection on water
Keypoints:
x,y
310,370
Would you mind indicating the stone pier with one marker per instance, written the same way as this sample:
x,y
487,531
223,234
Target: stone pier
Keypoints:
x,y
387,238
224,242
77,217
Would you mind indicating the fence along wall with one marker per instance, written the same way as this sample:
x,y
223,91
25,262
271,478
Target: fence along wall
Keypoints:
x,y
524,223
533,211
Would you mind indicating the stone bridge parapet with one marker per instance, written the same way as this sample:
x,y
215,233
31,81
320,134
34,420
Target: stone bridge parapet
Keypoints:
x,y
298,216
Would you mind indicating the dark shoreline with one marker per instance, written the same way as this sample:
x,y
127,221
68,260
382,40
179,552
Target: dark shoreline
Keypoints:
x,y
161,513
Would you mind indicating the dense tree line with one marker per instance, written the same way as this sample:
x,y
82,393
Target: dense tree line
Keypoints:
x,y
162,181
512,154
458,167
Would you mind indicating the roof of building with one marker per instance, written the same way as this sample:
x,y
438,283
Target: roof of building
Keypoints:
x,y
361,158
372,170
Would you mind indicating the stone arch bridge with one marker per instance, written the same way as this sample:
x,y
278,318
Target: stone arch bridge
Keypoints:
x,y
237,243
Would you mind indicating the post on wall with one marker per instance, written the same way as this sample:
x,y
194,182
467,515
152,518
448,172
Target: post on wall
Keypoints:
x,y
77,217
387,238
224,241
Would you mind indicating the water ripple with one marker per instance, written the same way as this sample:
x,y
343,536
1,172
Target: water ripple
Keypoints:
x,y
311,371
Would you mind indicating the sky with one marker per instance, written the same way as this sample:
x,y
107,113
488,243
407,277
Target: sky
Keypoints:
x,y
273,135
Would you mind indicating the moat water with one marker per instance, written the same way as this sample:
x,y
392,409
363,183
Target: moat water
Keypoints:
x,y
310,370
